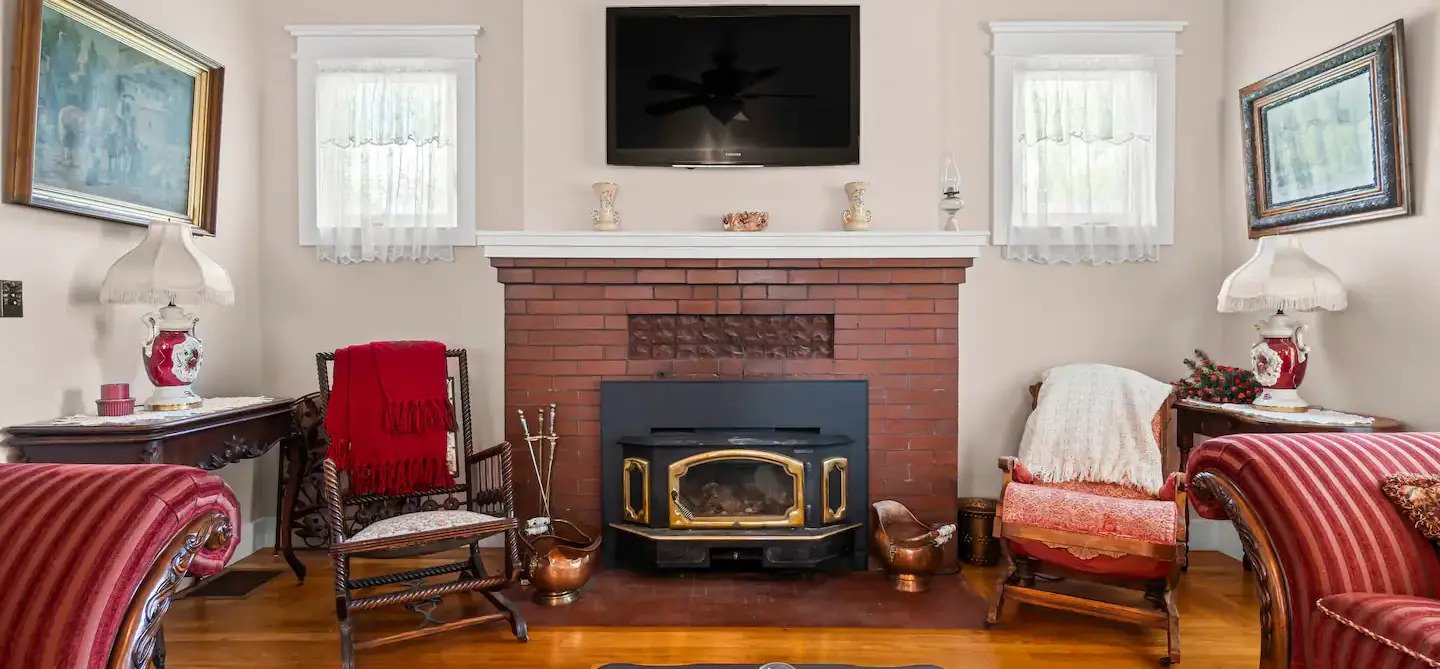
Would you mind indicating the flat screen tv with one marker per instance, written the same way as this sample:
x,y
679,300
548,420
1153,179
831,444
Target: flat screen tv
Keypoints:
x,y
733,85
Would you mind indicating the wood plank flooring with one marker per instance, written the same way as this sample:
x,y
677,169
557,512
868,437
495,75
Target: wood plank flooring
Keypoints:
x,y
284,625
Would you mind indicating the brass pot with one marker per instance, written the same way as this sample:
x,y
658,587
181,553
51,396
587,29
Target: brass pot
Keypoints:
x,y
558,565
909,550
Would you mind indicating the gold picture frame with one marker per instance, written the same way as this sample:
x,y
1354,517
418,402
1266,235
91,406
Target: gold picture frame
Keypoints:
x,y
98,121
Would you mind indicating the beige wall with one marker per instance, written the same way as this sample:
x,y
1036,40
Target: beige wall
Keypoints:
x,y
54,359
1377,356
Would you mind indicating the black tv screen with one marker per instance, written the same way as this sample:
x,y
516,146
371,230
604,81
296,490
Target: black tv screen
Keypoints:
x,y
734,85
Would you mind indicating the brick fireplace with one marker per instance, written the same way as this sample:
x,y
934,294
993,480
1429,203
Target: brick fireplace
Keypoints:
x,y
571,323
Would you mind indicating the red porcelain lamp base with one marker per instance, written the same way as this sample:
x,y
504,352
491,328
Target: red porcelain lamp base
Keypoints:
x,y
172,357
1279,362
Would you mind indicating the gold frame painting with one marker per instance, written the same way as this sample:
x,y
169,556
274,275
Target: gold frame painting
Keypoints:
x,y
104,120
1326,141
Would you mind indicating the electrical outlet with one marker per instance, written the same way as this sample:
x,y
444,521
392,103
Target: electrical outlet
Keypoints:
x,y
12,303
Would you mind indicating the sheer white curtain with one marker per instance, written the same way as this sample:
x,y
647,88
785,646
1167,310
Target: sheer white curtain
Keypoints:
x,y
1084,160
386,160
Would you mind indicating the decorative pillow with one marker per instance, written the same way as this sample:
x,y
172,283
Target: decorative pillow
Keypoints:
x,y
1419,497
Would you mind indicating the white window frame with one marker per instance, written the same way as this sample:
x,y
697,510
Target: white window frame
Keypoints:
x,y
452,43
1014,40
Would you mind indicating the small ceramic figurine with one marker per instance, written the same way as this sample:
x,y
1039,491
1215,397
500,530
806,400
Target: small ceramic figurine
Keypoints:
x,y
606,218
857,217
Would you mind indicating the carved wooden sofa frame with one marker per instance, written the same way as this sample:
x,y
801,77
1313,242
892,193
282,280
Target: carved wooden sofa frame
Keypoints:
x,y
141,639
1270,582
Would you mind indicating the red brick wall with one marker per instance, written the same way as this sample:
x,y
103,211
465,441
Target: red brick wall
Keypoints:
x,y
896,325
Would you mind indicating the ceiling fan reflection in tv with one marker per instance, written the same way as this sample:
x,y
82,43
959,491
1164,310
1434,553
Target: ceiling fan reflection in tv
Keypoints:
x,y
733,86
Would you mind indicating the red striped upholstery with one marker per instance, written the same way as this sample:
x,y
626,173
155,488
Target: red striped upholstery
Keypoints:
x,y
78,540
1318,497
1381,631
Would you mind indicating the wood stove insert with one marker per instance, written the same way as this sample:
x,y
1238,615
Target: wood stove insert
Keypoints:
x,y
767,473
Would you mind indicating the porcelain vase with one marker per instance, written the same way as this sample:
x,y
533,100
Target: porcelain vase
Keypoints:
x,y
606,218
857,217
1279,361
172,357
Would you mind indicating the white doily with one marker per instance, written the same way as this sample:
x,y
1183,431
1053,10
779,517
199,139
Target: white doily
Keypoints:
x,y
1311,417
141,416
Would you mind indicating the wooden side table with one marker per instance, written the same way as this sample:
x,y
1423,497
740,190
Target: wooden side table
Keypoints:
x,y
208,440
1210,420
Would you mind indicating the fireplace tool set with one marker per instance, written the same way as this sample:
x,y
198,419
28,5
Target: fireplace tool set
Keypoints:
x,y
557,564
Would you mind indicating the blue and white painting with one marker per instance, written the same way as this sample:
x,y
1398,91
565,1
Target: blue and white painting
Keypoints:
x,y
1322,142
111,121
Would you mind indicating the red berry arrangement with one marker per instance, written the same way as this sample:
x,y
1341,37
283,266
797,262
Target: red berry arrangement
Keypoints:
x,y
1217,383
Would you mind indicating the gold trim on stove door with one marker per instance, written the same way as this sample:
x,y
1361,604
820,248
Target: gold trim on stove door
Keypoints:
x,y
681,518
641,515
832,464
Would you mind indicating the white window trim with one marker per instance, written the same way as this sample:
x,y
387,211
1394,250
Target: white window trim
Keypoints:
x,y
1013,40
455,43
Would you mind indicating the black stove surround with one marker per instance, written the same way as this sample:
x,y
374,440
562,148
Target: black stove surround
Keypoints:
x,y
696,474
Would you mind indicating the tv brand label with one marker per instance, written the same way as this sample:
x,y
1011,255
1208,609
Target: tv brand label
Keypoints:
x,y
733,154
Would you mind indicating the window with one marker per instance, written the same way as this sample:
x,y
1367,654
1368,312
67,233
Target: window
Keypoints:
x,y
1084,131
386,141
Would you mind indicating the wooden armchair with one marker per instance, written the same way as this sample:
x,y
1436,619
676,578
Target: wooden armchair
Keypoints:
x,y
1098,532
423,523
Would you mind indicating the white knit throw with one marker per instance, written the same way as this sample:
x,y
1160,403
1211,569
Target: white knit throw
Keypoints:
x,y
1093,423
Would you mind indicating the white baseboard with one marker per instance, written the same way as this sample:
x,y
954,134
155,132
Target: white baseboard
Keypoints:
x,y
1215,535
254,535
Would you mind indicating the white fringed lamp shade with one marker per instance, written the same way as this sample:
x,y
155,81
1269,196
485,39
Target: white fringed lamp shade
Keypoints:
x,y
1281,277
167,267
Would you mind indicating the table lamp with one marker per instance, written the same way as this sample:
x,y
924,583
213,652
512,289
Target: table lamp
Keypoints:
x,y
1281,276
165,268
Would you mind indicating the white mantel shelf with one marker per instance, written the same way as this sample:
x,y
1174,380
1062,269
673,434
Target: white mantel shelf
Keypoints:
x,y
770,245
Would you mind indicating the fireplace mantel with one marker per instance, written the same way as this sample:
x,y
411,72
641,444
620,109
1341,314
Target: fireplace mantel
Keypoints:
x,y
732,245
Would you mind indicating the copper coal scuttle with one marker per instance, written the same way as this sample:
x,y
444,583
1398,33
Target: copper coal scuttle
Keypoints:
x,y
560,562
910,550
559,557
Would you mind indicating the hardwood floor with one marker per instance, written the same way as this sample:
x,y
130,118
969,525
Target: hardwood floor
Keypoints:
x,y
282,625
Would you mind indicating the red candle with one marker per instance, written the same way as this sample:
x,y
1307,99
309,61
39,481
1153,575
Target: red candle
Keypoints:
x,y
115,391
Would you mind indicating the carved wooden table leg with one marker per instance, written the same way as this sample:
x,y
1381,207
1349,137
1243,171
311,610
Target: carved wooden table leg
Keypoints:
x,y
1185,429
293,454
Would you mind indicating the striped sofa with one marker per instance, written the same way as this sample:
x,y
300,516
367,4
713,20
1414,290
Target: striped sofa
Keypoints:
x,y
92,554
1344,580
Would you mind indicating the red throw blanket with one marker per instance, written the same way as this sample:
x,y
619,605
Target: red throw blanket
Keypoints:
x,y
388,415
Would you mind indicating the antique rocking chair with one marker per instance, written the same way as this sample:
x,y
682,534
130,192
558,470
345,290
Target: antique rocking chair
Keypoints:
x,y
1098,532
424,523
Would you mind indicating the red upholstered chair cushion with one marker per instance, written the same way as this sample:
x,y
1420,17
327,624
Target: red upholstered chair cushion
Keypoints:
x,y
78,540
1056,508
1376,630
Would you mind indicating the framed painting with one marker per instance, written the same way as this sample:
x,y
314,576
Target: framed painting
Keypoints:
x,y
111,118
1326,142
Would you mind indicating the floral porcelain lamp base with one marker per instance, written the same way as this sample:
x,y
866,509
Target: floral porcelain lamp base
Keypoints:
x,y
172,357
1279,361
